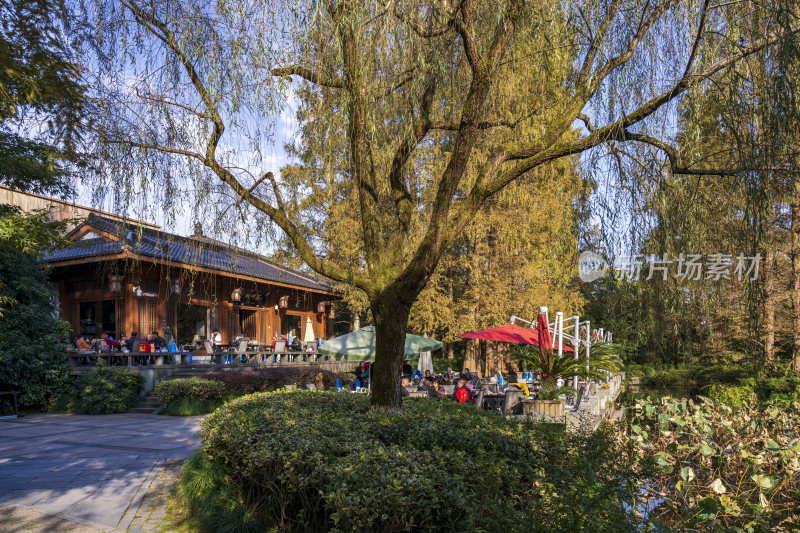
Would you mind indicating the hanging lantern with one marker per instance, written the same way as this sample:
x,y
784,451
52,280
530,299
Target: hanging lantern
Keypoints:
x,y
283,302
321,308
115,284
175,286
332,312
236,295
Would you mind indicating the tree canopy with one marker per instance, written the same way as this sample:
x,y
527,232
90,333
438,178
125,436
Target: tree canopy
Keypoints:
x,y
196,87
42,98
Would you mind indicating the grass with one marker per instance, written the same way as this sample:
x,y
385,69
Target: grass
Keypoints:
x,y
208,500
192,407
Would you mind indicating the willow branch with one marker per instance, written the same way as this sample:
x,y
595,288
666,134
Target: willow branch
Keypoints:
x,y
417,27
308,74
633,44
167,101
161,31
597,39
400,193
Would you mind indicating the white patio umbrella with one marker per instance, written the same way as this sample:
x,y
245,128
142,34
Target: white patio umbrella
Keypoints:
x,y
425,361
309,335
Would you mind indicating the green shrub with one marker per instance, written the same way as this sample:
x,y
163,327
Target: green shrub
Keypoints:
x,y
107,390
320,461
191,406
731,395
238,383
192,388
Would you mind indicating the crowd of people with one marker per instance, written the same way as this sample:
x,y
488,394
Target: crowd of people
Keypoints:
x,y
149,343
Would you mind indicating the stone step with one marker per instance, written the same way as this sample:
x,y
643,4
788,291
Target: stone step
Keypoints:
x,y
145,410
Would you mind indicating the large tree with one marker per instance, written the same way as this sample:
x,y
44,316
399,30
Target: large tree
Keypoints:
x,y
42,102
179,75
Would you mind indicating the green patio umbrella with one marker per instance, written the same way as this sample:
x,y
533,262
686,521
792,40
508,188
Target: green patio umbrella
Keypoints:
x,y
360,345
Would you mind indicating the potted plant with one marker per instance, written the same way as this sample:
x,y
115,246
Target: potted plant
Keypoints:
x,y
549,400
602,358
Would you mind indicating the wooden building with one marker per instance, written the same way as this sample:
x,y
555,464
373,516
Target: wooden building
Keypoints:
x,y
120,277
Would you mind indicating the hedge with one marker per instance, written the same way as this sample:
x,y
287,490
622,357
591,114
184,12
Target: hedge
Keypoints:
x,y
238,383
192,388
319,461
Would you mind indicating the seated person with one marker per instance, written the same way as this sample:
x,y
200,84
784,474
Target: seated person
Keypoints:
x,y
404,383
406,369
295,345
132,344
463,394
83,345
428,377
417,375
433,388
158,340
110,344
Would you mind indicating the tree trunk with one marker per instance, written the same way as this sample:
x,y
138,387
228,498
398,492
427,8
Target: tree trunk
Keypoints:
x,y
472,357
497,357
796,275
451,353
390,314
769,308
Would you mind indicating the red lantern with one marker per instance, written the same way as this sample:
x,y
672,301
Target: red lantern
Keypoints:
x,y
283,302
321,308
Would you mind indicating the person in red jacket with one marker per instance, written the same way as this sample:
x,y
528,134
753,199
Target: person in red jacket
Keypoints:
x,y
463,394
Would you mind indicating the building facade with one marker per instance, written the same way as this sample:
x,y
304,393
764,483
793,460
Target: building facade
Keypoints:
x,y
119,277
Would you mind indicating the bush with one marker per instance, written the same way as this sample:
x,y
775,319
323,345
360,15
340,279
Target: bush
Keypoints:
x,y
319,461
191,406
171,390
107,391
731,395
238,383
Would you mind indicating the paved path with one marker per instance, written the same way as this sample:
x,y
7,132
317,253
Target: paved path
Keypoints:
x,y
91,470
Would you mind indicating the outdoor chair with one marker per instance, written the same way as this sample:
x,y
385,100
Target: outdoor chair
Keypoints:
x,y
479,399
209,348
280,347
241,350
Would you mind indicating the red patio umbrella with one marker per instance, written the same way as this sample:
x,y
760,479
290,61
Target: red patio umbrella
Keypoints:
x,y
512,333
543,333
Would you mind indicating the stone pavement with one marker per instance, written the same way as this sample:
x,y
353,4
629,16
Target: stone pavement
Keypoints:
x,y
89,471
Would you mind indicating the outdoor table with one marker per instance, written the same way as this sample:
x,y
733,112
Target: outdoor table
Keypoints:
x,y
523,386
494,396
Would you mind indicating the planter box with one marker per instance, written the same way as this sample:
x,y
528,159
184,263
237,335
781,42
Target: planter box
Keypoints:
x,y
549,407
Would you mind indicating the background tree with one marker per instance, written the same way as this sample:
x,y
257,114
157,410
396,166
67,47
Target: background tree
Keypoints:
x,y
399,74
42,100
30,332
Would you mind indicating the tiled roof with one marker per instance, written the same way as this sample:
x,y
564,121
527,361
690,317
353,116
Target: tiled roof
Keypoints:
x,y
199,252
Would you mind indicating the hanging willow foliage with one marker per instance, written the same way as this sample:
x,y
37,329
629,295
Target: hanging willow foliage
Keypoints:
x,y
193,89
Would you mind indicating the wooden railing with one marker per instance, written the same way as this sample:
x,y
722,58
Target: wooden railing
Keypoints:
x,y
260,357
